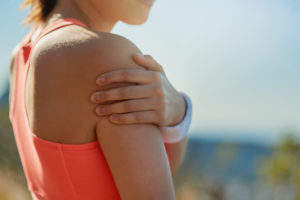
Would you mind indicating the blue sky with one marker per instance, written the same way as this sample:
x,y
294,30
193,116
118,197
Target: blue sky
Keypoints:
x,y
237,59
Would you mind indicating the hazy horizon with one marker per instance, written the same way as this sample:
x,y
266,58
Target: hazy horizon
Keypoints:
x,y
238,59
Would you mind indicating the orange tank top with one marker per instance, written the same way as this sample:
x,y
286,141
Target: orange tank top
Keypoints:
x,y
56,171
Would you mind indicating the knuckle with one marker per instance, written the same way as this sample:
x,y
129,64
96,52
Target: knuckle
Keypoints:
x,y
162,103
137,117
158,90
123,92
161,116
157,77
127,106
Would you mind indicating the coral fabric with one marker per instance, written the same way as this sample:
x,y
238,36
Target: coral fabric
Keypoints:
x,y
56,171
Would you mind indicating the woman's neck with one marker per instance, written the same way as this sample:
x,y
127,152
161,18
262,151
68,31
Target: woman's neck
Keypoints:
x,y
83,11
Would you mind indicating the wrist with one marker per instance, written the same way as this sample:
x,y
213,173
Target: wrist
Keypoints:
x,y
180,111
173,134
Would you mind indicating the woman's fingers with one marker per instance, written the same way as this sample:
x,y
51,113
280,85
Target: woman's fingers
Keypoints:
x,y
128,92
148,62
139,76
136,118
150,100
127,106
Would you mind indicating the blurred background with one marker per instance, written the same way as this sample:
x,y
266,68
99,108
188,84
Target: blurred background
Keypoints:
x,y
239,61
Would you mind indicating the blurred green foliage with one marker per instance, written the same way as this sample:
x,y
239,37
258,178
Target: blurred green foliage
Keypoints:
x,y
8,153
12,180
282,169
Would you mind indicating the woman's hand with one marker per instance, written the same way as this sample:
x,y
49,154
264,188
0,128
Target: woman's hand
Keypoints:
x,y
152,100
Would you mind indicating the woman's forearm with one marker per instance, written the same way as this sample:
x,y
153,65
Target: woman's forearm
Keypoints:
x,y
176,153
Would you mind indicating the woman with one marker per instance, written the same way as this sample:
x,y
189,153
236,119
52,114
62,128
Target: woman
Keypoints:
x,y
67,150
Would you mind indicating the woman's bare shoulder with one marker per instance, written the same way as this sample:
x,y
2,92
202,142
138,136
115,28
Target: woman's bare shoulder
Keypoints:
x,y
82,45
62,76
65,68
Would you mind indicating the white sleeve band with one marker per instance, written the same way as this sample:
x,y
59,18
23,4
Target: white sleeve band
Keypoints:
x,y
173,134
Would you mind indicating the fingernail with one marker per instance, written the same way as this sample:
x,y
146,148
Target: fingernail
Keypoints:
x,y
114,117
100,80
95,98
100,110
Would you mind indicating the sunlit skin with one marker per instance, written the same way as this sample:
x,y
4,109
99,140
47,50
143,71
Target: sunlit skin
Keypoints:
x,y
154,95
154,99
72,65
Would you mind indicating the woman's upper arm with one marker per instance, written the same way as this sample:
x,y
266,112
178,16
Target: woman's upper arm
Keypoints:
x,y
135,153
138,161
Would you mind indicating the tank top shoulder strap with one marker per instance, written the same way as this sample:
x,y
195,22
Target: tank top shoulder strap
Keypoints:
x,y
56,25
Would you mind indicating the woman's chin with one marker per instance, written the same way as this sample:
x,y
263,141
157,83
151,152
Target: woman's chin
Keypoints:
x,y
137,21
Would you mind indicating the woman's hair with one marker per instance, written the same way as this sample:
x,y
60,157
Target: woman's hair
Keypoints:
x,y
40,9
